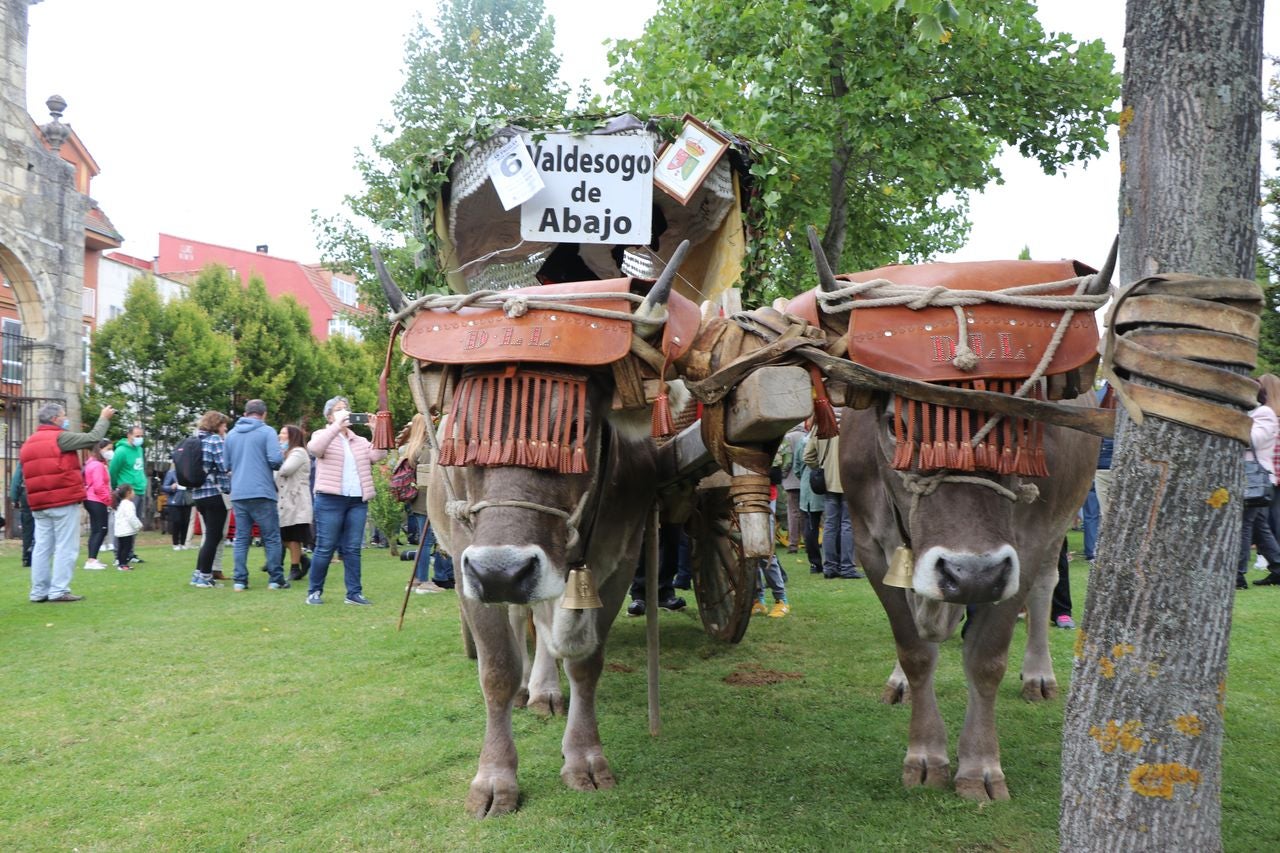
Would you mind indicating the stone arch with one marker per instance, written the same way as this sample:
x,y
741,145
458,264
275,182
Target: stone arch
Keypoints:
x,y
31,291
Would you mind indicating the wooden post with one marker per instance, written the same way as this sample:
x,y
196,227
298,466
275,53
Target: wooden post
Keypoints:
x,y
651,558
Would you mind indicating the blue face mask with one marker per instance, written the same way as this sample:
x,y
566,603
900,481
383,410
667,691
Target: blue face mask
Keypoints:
x,y
66,423
137,442
284,446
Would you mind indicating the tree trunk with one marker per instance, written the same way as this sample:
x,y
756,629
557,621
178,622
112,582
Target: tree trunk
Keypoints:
x,y
1141,758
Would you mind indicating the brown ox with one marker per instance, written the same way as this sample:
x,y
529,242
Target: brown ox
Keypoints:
x,y
538,475
976,548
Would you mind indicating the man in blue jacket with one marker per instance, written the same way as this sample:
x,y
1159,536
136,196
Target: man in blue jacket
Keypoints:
x,y
252,454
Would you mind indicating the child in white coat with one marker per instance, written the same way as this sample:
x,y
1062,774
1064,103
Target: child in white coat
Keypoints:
x,y
127,526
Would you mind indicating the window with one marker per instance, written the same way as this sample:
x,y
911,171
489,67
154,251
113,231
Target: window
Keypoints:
x,y
89,302
84,342
11,332
114,311
342,325
345,291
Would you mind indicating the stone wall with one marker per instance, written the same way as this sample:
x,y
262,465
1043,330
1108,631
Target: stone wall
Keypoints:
x,y
42,220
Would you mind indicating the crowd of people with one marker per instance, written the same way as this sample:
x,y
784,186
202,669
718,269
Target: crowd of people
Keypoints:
x,y
295,495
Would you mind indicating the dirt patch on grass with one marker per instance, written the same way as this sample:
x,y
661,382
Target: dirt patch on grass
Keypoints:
x,y
619,667
754,675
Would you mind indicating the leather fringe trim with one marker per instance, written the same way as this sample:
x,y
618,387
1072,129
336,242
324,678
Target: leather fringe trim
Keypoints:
x,y
521,418
945,436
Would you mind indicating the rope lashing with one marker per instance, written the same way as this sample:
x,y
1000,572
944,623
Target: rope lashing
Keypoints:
x,y
466,512
922,485
517,305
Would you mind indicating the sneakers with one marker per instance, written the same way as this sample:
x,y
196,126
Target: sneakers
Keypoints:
x,y
758,609
780,609
124,567
177,547
357,598
281,585
200,581
137,559
240,587
425,587
314,598
1273,579
108,547
94,565
295,572
1065,622
636,607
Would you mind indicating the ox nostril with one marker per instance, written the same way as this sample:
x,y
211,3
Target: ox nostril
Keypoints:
x,y
948,577
1000,578
526,572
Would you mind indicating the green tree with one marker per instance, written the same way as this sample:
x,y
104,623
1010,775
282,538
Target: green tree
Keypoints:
x,y
128,356
886,120
350,369
480,61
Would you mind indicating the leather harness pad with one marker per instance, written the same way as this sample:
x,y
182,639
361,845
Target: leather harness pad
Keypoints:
x,y
489,336
1008,340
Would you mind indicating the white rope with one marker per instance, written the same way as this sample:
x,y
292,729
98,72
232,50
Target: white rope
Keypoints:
x,y
516,305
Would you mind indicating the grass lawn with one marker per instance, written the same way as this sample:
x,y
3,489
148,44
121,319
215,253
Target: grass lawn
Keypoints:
x,y
154,716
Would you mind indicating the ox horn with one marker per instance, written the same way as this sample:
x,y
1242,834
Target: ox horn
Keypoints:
x,y
661,290
825,277
395,296
1102,281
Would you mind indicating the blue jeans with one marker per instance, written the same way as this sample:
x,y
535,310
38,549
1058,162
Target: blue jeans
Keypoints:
x,y
1091,515
437,567
57,545
262,512
339,527
837,537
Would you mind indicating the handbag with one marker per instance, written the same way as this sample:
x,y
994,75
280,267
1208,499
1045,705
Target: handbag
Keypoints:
x,y
404,481
1258,487
818,476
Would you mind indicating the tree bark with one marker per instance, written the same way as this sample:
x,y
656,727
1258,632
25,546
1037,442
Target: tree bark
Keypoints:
x,y
1142,738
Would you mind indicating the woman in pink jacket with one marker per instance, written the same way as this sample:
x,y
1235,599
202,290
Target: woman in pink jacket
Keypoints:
x,y
97,486
344,485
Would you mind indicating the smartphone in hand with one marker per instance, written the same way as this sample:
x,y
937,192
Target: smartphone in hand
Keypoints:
x,y
358,418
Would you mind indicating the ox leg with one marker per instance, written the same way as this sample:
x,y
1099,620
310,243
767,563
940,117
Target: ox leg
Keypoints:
x,y
494,789
896,690
986,653
585,767
1038,680
519,616
926,762
545,697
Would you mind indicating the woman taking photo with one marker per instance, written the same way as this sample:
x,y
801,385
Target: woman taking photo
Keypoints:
x,y
344,485
293,483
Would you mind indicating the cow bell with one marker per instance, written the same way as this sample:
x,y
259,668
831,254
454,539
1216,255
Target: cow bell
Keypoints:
x,y
580,591
901,567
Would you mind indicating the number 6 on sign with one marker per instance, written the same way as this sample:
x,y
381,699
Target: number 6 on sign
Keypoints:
x,y
513,174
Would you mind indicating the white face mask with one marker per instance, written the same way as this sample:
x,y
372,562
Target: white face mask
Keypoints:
x,y
107,453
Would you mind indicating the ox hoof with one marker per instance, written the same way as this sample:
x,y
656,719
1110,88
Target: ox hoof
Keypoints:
x,y
896,693
548,705
926,772
588,773
522,698
982,790
1039,689
491,796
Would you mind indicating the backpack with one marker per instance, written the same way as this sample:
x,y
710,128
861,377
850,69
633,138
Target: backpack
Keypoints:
x,y
188,462
404,481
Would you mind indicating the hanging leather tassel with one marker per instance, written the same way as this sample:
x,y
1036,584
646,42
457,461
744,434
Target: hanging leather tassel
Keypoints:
x,y
953,436
514,418
939,437
579,464
558,390
926,437
498,406
900,462
966,443
482,426
1006,451
662,424
824,415
383,431
567,399
472,422
543,393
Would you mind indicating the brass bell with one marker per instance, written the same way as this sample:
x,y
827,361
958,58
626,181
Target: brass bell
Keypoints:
x,y
901,566
580,591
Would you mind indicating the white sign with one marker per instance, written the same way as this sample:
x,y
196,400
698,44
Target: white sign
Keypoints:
x,y
599,189
512,172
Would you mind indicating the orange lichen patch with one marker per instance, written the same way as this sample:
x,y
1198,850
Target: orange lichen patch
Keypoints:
x,y
1119,650
1116,735
1107,668
1189,725
1153,671
1219,498
1081,637
1158,780
1125,119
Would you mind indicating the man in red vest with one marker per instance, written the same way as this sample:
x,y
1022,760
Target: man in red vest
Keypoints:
x,y
55,490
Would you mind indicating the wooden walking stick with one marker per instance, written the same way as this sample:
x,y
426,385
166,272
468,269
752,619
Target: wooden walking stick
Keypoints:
x,y
408,590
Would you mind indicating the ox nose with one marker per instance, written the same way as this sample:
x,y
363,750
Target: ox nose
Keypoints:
x,y
967,578
502,575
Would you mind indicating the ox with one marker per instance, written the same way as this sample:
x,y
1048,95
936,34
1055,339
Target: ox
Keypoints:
x,y
537,475
983,543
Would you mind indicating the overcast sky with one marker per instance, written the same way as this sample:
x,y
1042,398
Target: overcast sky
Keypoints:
x,y
230,122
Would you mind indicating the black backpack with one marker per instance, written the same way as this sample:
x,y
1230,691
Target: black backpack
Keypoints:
x,y
188,462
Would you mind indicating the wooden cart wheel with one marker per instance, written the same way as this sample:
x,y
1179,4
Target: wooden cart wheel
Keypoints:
x,y
723,580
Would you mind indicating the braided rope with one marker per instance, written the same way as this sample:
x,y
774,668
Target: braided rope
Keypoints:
x,y
517,305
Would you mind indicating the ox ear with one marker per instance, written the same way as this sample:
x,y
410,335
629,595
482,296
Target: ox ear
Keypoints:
x,y
1102,281
825,277
654,307
395,296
